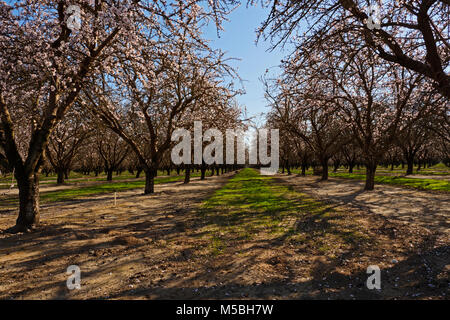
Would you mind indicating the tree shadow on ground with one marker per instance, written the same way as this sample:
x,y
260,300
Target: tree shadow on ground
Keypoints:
x,y
166,254
405,280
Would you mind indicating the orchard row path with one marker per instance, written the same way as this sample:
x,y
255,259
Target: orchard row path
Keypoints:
x,y
407,206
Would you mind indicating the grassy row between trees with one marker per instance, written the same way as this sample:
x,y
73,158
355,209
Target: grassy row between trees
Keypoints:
x,y
417,183
76,177
253,207
80,192
422,184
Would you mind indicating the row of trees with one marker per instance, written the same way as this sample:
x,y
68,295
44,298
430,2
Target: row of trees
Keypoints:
x,y
142,68
343,94
137,69
421,151
93,148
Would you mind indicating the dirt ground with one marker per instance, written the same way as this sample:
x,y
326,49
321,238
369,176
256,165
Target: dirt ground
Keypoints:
x,y
151,247
430,210
423,176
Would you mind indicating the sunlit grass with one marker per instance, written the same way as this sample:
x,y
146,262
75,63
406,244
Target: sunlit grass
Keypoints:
x,y
75,177
251,206
423,184
97,189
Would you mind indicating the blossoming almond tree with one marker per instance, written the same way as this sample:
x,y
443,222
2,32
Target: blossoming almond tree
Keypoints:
x,y
44,65
297,109
222,112
155,88
112,150
364,95
65,141
376,100
412,34
46,57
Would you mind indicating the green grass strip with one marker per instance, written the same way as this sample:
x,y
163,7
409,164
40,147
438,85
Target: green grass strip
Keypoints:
x,y
422,184
251,204
103,188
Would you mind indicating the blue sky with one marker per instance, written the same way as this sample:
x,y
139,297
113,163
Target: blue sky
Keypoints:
x,y
238,40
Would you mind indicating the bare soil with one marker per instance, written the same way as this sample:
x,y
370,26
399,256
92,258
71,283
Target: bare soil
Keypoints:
x,y
428,209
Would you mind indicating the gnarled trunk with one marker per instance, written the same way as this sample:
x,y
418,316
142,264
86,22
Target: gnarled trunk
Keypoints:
x,y
370,176
149,181
28,203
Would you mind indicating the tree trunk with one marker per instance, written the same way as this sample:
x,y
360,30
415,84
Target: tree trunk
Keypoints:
x,y
28,204
336,165
410,163
370,176
187,174
60,178
324,163
138,173
109,175
202,172
149,181
350,167
303,169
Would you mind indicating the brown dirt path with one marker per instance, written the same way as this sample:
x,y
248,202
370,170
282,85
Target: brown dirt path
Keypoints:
x,y
430,210
110,243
